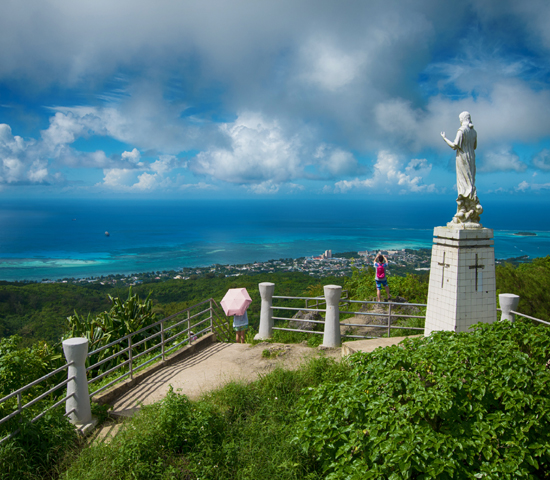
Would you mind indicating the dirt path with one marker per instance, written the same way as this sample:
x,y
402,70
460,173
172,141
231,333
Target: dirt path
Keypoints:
x,y
218,364
213,367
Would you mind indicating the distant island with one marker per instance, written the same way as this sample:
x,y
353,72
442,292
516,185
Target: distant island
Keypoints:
x,y
526,234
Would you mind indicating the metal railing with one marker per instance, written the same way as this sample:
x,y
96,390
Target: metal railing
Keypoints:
x,y
206,319
508,304
21,407
175,331
529,317
168,335
391,314
525,316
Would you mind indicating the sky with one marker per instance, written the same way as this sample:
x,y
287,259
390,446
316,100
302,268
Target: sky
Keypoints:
x,y
243,98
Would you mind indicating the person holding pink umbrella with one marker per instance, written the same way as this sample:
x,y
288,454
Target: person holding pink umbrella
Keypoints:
x,y
240,325
235,302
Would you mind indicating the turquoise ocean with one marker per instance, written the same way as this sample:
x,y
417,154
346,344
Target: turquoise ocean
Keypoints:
x,y
61,238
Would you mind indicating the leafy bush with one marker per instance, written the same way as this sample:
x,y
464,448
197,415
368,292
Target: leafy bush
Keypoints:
x,y
361,286
240,431
19,367
36,451
123,318
530,281
152,445
448,406
39,446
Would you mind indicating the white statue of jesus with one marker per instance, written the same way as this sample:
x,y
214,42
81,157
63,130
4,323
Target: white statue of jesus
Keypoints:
x,y
468,207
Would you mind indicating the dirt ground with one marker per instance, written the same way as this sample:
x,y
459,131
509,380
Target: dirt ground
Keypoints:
x,y
213,367
218,364
209,369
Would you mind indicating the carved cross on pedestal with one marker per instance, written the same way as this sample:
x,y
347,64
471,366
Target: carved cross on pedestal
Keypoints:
x,y
476,267
444,265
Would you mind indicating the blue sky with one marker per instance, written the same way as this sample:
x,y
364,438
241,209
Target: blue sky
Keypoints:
x,y
211,98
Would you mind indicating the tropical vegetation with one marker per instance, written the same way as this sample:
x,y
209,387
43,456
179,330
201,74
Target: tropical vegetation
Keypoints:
x,y
406,387
480,411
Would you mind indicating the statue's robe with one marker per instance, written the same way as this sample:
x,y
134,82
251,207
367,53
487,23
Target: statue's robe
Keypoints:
x,y
466,143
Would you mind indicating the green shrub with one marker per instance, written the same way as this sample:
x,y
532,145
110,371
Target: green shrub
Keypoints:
x,y
530,282
361,286
36,451
448,406
153,444
240,431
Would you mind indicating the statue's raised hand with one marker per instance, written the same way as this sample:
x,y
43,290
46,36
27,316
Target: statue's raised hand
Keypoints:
x,y
443,134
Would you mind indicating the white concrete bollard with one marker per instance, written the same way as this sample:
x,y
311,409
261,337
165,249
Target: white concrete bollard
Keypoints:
x,y
331,337
266,314
508,302
76,350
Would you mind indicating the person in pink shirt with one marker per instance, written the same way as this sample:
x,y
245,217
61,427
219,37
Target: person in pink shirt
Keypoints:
x,y
380,265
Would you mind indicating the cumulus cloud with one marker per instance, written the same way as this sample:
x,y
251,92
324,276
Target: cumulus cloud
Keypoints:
x,y
328,67
128,180
502,160
258,151
132,156
542,160
526,186
264,188
65,128
164,164
142,176
34,161
147,121
21,162
512,113
149,181
389,176
336,161
294,187
172,79
198,186
117,177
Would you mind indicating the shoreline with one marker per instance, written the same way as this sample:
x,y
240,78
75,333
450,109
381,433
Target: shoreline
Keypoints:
x,y
416,261
45,242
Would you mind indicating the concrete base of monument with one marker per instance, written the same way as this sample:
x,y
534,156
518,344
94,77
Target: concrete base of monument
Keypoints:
x,y
462,289
463,226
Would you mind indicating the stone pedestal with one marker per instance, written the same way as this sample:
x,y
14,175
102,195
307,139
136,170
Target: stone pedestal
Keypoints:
x,y
331,336
266,314
76,351
462,288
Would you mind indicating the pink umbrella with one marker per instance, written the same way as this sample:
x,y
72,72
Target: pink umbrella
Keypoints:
x,y
236,301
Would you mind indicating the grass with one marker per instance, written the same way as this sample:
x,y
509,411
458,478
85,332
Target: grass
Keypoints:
x,y
240,431
242,425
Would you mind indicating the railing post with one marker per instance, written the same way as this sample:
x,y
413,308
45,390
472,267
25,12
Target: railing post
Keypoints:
x,y
508,302
266,314
76,351
162,339
389,320
130,356
331,336
20,405
188,328
211,319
